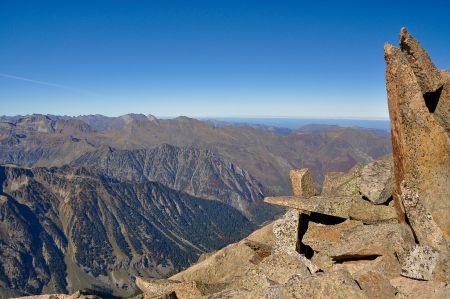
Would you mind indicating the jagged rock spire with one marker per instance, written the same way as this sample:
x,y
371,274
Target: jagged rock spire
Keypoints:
x,y
421,145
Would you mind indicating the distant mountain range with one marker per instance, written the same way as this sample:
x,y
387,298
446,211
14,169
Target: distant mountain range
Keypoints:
x,y
267,154
94,200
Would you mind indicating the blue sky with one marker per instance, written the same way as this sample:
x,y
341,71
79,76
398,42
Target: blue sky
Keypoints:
x,y
207,58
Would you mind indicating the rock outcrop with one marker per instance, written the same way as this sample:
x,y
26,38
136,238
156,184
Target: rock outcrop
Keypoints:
x,y
421,144
419,112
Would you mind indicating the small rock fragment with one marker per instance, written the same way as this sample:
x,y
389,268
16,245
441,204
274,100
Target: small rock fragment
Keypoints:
x,y
302,182
420,263
310,265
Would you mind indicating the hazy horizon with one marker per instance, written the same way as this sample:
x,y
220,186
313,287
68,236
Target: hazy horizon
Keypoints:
x,y
207,116
278,122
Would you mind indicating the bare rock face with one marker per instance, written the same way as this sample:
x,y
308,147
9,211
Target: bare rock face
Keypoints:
x,y
370,213
302,182
322,237
376,180
421,144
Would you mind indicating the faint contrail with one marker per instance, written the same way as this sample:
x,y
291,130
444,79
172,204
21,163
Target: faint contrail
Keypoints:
x,y
49,84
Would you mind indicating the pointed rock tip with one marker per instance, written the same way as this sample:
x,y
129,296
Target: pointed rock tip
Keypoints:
x,y
404,34
427,74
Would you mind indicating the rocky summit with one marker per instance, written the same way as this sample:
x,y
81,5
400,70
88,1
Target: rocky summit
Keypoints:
x,y
379,231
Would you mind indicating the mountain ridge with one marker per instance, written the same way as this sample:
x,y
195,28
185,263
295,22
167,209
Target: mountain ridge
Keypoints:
x,y
74,215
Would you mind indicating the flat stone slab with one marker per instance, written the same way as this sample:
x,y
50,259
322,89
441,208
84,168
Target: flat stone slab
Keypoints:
x,y
349,207
333,206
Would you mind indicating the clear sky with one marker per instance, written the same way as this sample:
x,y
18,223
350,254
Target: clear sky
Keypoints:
x,y
207,58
